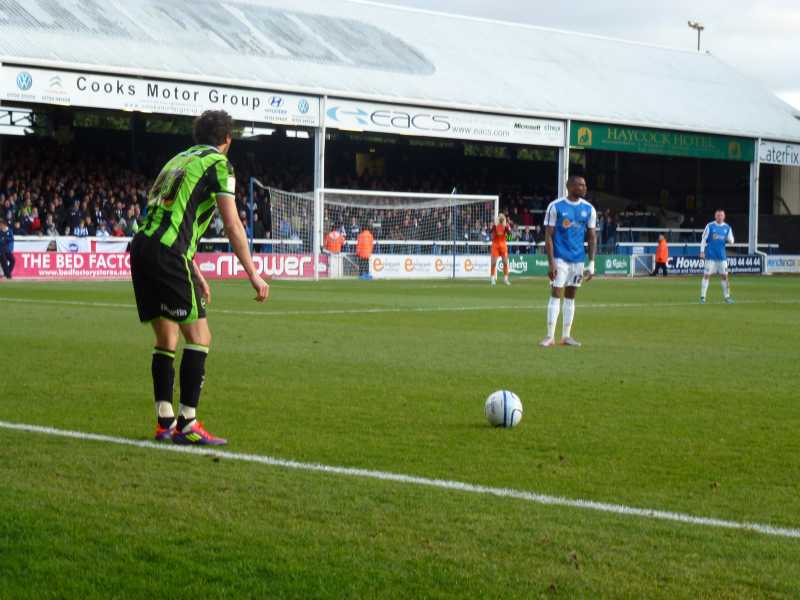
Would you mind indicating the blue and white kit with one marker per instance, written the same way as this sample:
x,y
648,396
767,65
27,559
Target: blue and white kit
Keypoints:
x,y
715,237
570,220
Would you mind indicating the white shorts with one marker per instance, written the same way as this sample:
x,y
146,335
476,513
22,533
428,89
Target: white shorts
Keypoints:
x,y
568,274
716,267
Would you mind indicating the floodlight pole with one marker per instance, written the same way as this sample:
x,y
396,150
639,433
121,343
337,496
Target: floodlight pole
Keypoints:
x,y
699,27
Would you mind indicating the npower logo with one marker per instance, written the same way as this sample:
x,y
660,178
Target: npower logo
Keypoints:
x,y
408,265
439,265
469,266
389,119
377,265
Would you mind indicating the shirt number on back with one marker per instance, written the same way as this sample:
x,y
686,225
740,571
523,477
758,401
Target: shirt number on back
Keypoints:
x,y
166,187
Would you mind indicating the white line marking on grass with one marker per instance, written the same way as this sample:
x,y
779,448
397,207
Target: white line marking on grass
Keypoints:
x,y
445,484
388,310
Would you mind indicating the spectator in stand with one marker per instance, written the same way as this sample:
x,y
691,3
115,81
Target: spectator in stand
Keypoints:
x,y
8,211
102,231
18,229
6,249
50,229
36,222
26,208
81,230
25,223
74,217
217,226
611,233
601,227
243,218
259,231
117,231
662,256
91,226
354,229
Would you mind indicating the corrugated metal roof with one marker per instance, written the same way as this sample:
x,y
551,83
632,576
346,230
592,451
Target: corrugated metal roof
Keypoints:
x,y
368,51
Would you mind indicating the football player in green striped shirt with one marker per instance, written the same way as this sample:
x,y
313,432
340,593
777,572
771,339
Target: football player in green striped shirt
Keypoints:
x,y
171,292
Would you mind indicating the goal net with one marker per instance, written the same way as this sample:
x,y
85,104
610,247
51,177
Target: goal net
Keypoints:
x,y
415,235
283,243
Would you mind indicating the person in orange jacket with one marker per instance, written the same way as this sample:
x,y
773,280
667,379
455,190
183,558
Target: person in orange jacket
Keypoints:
x,y
334,241
662,256
364,246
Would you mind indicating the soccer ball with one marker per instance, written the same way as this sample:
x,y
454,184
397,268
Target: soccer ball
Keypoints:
x,y
503,409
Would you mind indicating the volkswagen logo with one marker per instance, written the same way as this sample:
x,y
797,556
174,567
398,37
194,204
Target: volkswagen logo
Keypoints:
x,y
24,81
303,106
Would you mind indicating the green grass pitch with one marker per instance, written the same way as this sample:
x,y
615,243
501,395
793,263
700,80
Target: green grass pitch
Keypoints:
x,y
669,405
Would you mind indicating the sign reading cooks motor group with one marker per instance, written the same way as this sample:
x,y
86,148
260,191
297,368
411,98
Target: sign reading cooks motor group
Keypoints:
x,y
431,122
591,136
67,88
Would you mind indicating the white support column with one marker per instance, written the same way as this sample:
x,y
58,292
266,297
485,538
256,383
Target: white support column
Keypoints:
x,y
755,177
563,161
319,185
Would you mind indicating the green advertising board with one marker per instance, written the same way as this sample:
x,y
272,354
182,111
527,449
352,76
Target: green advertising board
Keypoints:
x,y
612,264
536,265
528,265
591,136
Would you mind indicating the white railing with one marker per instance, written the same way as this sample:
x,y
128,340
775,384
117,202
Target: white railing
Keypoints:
x,y
278,242
126,240
689,245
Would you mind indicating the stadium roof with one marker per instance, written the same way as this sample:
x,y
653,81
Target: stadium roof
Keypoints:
x,y
363,50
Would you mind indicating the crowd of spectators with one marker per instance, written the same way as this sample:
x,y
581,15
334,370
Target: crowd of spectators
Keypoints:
x,y
44,193
50,190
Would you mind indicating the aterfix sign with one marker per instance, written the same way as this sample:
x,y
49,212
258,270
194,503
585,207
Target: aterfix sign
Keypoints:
x,y
592,136
352,115
779,153
68,88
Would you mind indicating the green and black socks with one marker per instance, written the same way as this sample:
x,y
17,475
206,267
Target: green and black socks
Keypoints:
x,y
193,375
163,382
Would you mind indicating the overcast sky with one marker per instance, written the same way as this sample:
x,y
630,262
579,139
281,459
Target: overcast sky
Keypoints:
x,y
759,37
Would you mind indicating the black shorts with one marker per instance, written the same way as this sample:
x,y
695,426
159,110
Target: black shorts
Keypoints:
x,y
164,283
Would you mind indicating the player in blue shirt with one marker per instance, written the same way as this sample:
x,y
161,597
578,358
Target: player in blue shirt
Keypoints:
x,y
569,222
712,248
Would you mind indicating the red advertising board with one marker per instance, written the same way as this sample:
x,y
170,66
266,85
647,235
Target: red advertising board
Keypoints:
x,y
275,266
85,266
72,266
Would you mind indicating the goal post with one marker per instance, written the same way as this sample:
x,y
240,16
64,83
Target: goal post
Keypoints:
x,y
288,220
438,233
407,226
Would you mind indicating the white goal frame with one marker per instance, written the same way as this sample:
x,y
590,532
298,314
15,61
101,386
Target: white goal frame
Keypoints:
x,y
416,201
